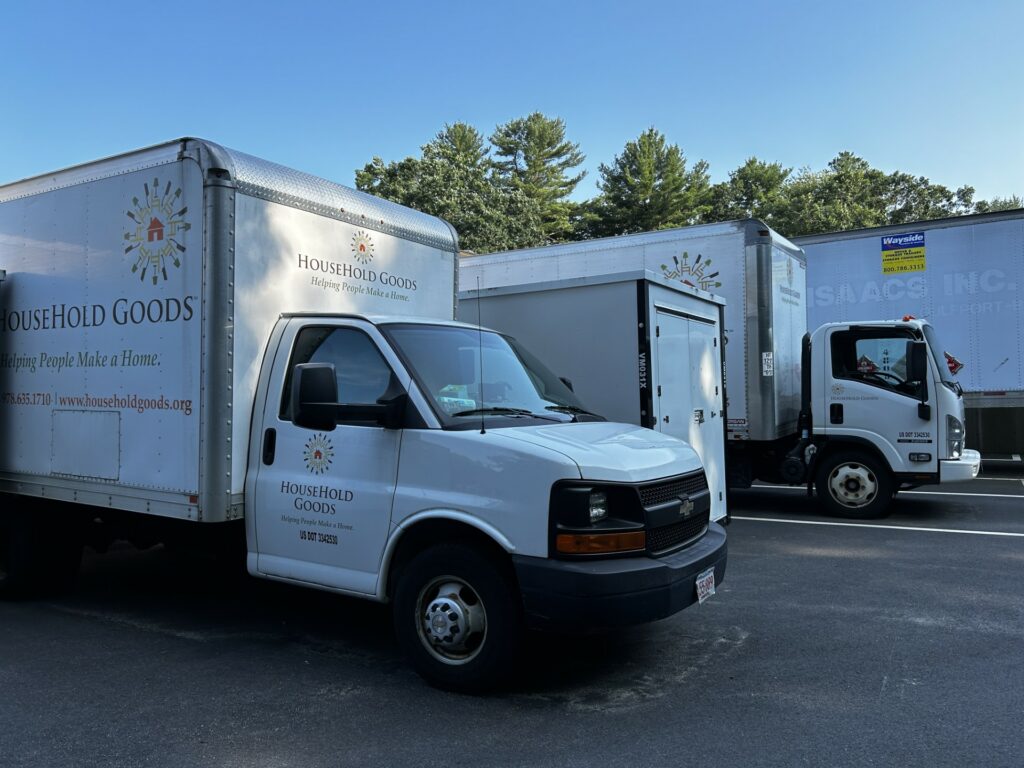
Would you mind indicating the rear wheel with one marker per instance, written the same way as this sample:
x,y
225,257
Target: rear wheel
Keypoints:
x,y
854,485
458,618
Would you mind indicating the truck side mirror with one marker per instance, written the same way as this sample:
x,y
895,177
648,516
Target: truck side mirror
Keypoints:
x,y
917,371
315,396
917,361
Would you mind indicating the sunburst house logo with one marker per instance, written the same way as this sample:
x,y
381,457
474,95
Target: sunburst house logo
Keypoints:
x,y
319,454
154,237
362,247
695,275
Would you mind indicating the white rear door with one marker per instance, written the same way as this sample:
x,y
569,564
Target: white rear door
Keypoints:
x,y
688,398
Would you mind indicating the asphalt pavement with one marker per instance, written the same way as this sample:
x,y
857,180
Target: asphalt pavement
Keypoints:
x,y
893,642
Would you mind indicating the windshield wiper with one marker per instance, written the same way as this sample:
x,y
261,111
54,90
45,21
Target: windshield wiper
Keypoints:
x,y
573,410
500,411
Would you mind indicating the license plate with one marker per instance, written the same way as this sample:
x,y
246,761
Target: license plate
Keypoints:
x,y
705,584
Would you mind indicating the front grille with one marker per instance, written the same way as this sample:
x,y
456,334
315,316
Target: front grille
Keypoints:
x,y
670,490
675,535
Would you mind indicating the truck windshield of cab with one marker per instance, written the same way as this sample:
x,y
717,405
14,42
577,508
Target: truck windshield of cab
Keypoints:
x,y
938,355
446,363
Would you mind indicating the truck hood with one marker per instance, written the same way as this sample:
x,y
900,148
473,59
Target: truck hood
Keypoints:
x,y
608,451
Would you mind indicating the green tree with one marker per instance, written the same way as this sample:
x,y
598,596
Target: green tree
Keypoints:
x,y
998,204
533,155
911,198
454,179
648,187
848,194
754,190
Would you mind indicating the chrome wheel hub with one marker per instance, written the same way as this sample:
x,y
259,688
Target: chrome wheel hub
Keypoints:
x,y
853,485
451,619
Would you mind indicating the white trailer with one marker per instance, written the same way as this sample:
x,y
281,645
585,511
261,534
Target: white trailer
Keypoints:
x,y
196,343
966,275
841,408
660,364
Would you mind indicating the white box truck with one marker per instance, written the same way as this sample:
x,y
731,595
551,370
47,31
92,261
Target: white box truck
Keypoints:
x,y
194,340
966,275
858,409
660,361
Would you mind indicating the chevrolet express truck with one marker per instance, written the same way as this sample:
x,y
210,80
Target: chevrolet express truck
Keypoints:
x,y
194,340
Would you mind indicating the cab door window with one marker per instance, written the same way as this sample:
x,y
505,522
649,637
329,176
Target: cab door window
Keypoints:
x,y
363,375
875,358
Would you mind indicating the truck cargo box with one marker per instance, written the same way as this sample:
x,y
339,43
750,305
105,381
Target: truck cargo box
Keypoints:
x,y
759,273
139,296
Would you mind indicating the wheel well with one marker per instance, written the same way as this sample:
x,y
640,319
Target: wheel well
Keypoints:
x,y
833,447
435,531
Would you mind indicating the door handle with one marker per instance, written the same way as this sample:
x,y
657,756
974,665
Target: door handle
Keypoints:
x,y
269,446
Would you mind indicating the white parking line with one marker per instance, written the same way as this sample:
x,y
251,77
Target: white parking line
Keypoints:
x,y
919,493
875,525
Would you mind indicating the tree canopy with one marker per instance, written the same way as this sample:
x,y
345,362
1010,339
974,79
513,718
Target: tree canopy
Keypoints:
x,y
533,156
648,187
455,179
513,190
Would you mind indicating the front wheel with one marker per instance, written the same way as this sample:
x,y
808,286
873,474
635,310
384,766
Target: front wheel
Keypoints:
x,y
854,485
458,618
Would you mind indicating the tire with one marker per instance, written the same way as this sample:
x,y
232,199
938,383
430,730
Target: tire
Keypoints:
x,y
854,485
458,617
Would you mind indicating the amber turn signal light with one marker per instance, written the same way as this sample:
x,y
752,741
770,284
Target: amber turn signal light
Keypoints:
x,y
600,543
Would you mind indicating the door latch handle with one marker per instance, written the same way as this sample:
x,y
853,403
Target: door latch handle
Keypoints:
x,y
698,415
269,446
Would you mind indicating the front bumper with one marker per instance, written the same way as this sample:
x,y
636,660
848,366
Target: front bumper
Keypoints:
x,y
589,594
958,470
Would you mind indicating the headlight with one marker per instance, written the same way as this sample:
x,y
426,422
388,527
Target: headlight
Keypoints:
x,y
954,437
590,520
598,506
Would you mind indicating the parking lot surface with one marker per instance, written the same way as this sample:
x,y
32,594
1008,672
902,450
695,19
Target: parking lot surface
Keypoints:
x,y
893,642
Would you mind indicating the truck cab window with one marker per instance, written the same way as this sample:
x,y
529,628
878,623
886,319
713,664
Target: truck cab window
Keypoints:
x,y
878,359
362,372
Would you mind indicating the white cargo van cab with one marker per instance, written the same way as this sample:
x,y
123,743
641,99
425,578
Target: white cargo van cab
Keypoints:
x,y
194,334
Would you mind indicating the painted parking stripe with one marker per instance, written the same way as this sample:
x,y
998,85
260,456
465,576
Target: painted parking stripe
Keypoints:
x,y
1006,534
906,493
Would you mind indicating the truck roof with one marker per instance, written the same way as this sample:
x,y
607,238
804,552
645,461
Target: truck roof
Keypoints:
x,y
917,323
926,224
750,227
383,319
260,178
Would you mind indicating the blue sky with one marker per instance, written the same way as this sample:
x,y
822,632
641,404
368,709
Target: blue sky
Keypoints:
x,y
929,88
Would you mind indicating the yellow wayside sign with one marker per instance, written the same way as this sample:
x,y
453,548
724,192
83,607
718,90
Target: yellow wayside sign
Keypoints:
x,y
903,253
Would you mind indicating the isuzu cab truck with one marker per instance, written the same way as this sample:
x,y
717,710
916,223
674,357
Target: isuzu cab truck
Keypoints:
x,y
856,409
195,341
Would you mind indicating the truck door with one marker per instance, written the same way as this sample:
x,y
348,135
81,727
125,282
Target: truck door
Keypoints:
x,y
688,397
323,498
868,396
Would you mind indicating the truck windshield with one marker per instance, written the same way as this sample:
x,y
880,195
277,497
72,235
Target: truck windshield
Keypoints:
x,y
446,362
938,355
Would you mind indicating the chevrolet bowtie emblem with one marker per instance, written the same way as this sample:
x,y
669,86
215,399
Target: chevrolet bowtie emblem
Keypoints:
x,y
686,508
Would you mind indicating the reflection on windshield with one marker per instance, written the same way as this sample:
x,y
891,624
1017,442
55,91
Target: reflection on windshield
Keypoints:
x,y
467,372
937,355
